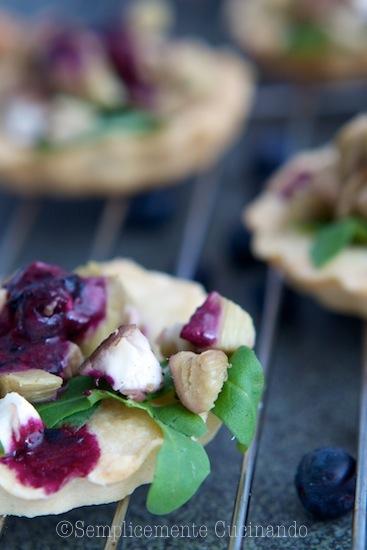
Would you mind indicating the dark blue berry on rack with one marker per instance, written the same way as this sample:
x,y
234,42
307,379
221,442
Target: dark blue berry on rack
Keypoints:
x,y
153,209
239,250
325,482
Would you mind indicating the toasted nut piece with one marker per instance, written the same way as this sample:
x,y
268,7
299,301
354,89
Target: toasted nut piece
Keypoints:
x,y
20,423
219,324
126,361
74,361
236,329
118,312
3,297
34,384
169,341
198,379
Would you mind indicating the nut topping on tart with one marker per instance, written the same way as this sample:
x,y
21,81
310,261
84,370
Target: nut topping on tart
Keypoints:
x,y
220,324
34,384
198,379
126,361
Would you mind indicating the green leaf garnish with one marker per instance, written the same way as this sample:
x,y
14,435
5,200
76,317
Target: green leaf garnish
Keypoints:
x,y
182,463
2,450
72,401
180,419
306,39
336,236
132,121
129,120
238,401
181,467
78,419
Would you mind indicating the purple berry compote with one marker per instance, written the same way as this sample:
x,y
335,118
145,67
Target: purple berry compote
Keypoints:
x,y
61,455
46,310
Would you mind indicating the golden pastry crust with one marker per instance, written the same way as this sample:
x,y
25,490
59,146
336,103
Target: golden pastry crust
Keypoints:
x,y
189,141
127,462
340,285
136,469
337,65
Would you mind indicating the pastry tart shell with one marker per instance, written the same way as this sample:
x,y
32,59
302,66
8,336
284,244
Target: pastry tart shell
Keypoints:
x,y
341,285
189,141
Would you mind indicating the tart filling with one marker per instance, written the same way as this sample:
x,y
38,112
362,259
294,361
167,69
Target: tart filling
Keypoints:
x,y
130,414
311,220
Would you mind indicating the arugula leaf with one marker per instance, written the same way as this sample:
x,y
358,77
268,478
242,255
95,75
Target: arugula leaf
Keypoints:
x,y
181,467
306,39
238,401
336,236
78,419
180,419
72,401
182,463
173,415
132,121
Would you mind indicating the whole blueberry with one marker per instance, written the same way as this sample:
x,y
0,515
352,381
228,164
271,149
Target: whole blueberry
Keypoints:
x,y
325,482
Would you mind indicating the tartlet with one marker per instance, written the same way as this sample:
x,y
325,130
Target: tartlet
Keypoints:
x,y
310,222
89,427
117,111
303,40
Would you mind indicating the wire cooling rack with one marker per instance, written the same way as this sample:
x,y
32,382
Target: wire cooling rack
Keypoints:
x,y
203,212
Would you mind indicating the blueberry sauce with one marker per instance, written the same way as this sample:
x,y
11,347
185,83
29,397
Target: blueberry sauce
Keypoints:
x,y
203,327
28,436
46,309
62,455
298,182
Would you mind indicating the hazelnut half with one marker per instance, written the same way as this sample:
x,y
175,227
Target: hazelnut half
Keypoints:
x,y
34,384
199,378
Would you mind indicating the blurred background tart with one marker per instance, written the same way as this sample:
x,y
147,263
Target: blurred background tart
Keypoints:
x,y
311,221
105,111
303,40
